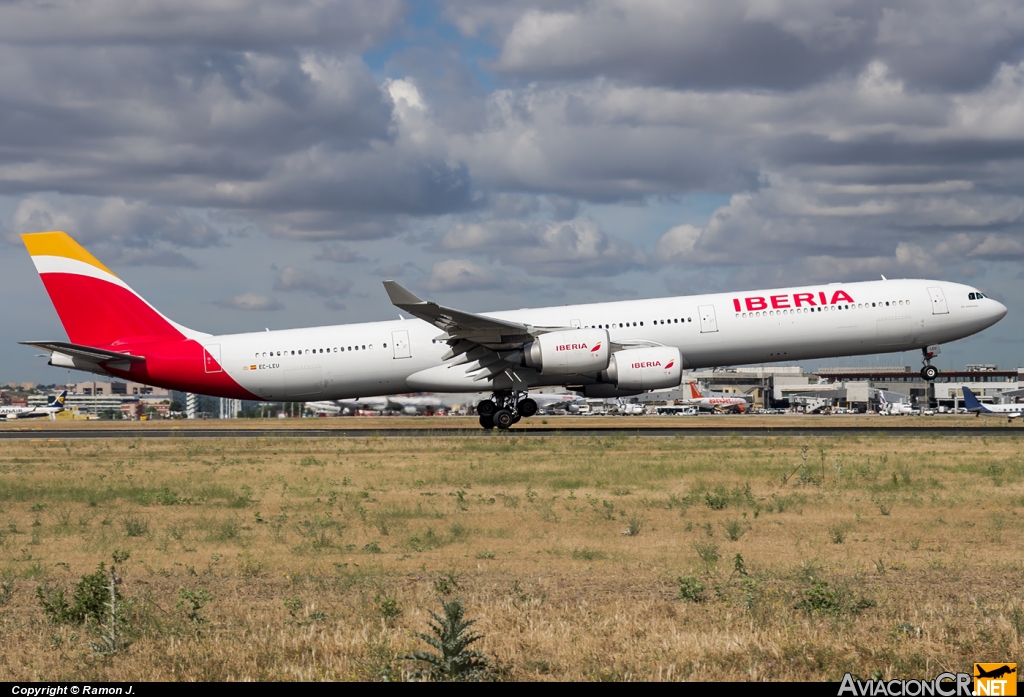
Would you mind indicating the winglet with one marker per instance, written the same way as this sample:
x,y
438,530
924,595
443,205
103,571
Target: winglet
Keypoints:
x,y
400,297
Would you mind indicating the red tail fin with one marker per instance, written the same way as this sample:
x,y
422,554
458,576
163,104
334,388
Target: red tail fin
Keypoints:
x,y
95,306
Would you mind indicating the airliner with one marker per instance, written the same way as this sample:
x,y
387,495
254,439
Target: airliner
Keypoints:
x,y
1010,411
716,401
52,408
611,349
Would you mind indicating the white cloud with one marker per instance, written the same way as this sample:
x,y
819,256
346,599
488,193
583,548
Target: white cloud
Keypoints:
x,y
292,279
462,275
250,301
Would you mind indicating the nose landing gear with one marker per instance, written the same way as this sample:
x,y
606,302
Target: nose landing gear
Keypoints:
x,y
505,409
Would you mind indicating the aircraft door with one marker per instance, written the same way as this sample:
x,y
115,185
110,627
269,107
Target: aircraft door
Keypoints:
x,y
708,320
938,301
400,339
211,358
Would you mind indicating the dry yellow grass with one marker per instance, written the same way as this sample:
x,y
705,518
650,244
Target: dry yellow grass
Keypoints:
x,y
301,543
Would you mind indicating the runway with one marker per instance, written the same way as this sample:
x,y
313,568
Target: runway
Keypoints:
x,y
1000,431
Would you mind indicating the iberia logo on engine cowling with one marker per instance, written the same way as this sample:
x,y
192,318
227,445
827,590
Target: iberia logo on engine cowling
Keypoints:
x,y
572,347
597,347
669,365
647,364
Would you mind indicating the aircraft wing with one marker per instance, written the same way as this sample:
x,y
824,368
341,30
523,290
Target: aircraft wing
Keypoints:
x,y
481,330
88,353
488,345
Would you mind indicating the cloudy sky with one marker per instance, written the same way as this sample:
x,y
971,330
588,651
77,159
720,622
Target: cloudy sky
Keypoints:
x,y
247,165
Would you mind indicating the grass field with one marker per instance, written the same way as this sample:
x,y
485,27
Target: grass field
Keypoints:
x,y
606,558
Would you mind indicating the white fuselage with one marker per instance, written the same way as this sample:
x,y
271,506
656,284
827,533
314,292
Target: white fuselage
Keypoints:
x,y
786,324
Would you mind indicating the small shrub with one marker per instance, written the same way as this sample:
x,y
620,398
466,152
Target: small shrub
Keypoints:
x,y
87,602
372,547
135,526
690,589
310,461
708,553
447,584
820,597
636,523
167,497
734,529
192,603
387,607
451,638
458,532
837,533
716,501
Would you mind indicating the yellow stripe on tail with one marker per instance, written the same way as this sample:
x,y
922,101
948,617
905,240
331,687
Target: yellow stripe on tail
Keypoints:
x,y
60,244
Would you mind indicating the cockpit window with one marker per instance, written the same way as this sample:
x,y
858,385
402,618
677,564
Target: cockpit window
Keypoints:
x,y
972,296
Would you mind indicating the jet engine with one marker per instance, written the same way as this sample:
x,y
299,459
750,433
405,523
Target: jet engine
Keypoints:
x,y
569,352
645,368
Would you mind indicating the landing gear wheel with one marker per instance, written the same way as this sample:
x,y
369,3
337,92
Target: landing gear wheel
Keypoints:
x,y
929,373
517,418
486,408
527,408
487,422
503,418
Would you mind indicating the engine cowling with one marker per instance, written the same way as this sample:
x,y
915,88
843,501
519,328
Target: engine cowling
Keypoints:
x,y
569,352
645,368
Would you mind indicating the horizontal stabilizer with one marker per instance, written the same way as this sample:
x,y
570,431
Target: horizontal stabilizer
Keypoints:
x,y
88,353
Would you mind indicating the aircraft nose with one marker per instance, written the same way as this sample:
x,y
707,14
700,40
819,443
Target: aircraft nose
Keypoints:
x,y
999,311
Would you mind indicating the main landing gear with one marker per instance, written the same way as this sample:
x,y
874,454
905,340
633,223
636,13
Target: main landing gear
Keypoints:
x,y
929,372
504,409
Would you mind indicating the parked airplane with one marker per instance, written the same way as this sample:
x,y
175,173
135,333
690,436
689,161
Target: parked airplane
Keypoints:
x,y
52,408
889,408
716,401
1010,411
601,349
559,401
420,404
405,404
